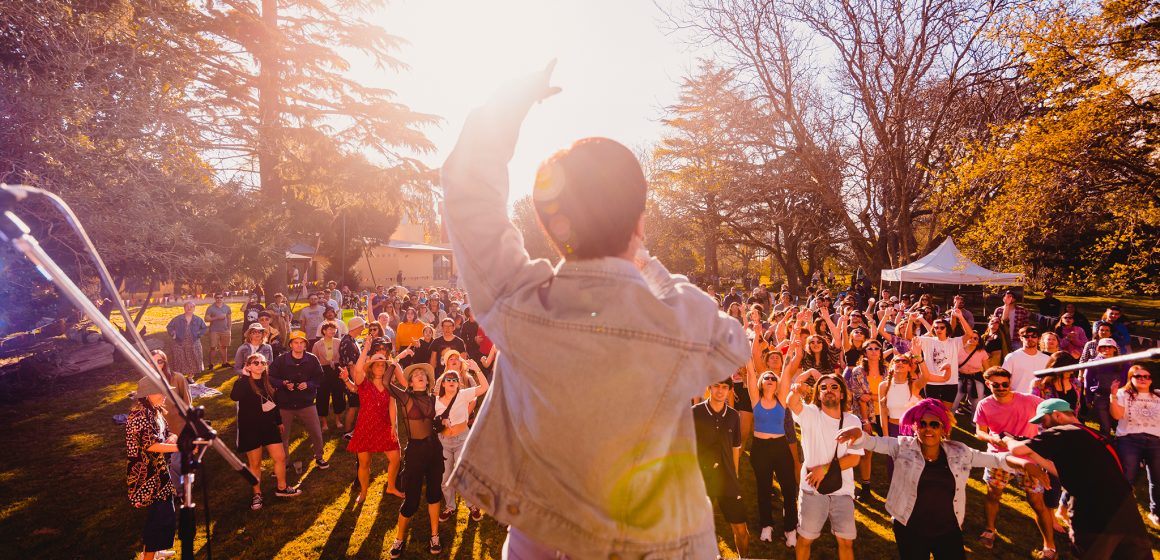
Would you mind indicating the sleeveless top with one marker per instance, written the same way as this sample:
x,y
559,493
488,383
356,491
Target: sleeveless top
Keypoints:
x,y
898,399
769,420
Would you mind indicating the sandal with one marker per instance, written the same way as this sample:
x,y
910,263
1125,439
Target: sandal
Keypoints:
x,y
256,502
987,539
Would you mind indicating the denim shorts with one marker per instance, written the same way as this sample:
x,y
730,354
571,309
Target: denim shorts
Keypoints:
x,y
814,509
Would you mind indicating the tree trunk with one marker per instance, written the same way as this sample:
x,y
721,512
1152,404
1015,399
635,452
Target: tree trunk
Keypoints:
x,y
268,153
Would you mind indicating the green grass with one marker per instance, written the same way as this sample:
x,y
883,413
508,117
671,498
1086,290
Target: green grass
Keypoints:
x,y
62,492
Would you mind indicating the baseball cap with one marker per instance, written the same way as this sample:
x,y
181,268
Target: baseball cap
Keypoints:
x,y
1047,407
1107,342
297,334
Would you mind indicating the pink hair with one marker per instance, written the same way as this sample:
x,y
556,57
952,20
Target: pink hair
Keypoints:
x,y
933,407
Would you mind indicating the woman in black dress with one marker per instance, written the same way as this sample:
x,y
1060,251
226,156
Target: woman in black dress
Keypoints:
x,y
260,426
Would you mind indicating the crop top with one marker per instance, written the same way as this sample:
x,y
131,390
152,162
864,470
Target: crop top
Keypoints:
x,y
769,420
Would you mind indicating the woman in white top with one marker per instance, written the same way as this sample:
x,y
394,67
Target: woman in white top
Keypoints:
x,y
901,391
1137,407
453,407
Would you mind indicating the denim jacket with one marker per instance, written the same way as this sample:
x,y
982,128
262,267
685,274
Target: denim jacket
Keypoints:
x,y
585,442
181,331
909,463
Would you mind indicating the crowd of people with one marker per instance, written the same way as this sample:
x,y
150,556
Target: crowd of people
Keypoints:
x,y
825,384
626,392
379,382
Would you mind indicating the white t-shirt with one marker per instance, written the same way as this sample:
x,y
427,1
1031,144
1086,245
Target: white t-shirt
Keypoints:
x,y
459,411
1022,367
819,430
938,352
1141,416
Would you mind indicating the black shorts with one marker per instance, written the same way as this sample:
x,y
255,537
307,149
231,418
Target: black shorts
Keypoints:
x,y
726,492
944,393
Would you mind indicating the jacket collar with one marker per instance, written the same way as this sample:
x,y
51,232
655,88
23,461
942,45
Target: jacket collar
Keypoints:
x,y
602,267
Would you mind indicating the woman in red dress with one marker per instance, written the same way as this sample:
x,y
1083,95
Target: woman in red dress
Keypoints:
x,y
373,432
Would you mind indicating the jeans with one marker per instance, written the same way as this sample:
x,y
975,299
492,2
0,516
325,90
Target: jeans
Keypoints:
x,y
913,545
452,449
308,416
770,456
1102,409
1134,448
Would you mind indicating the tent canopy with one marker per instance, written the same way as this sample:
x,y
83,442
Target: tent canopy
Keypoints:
x,y
947,265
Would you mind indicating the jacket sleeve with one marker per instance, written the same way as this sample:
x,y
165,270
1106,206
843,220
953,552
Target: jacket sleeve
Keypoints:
x,y
989,460
492,262
171,328
241,389
240,356
314,376
880,445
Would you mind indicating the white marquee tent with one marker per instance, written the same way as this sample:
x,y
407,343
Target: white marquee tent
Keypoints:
x,y
947,265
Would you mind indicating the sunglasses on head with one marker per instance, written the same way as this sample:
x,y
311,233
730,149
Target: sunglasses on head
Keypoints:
x,y
933,424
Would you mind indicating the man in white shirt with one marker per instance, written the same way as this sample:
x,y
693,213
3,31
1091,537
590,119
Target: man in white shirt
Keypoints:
x,y
1024,362
821,421
944,354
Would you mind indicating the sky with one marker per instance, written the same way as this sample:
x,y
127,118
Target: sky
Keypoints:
x,y
616,63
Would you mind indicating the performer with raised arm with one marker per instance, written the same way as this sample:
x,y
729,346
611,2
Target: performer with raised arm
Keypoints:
x,y
561,452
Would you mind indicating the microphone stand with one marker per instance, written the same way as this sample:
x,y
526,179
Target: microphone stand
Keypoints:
x,y
196,432
1153,354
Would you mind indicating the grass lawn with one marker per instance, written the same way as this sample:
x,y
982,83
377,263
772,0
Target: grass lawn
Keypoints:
x,y
62,492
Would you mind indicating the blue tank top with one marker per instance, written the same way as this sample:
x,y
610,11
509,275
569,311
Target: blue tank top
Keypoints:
x,y
769,421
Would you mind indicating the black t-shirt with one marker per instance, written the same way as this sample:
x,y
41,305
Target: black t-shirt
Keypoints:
x,y
250,315
934,505
717,434
1089,471
439,345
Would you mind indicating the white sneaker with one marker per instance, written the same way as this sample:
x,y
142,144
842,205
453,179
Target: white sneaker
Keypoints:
x,y
1155,519
160,554
791,538
767,534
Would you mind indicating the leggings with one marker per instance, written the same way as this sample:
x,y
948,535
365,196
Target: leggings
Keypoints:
x,y
330,390
422,465
770,456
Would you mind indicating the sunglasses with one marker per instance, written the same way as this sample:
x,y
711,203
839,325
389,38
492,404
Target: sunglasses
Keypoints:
x,y
1141,377
939,328
1030,336
1003,385
451,380
834,387
873,349
256,362
933,424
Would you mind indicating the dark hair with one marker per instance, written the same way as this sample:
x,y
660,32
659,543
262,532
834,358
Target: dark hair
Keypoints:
x,y
1061,359
841,383
589,198
996,371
